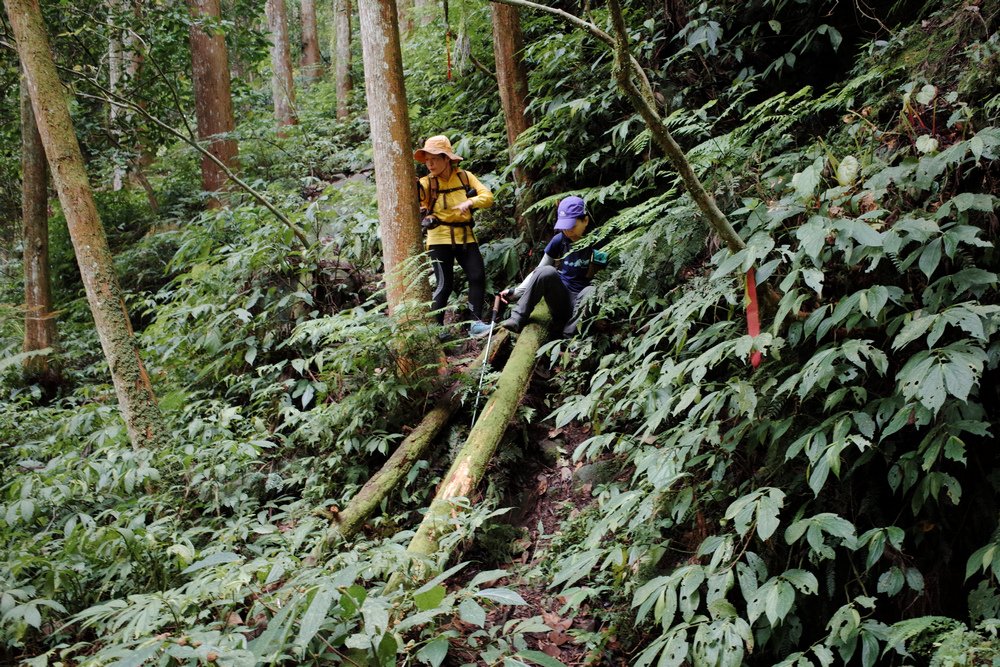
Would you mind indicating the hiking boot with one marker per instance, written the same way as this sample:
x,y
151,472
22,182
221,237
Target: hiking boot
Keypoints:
x,y
512,325
479,329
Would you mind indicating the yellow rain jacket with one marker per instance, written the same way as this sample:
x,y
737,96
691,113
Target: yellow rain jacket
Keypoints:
x,y
450,194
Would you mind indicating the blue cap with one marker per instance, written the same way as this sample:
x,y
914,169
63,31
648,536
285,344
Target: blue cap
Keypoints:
x,y
570,209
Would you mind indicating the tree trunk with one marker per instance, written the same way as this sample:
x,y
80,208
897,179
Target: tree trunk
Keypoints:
x,y
312,62
395,176
468,467
405,8
342,19
425,10
512,81
39,320
282,82
135,394
212,97
116,56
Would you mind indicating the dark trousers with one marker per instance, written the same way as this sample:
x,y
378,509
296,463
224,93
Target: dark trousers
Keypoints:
x,y
443,258
546,284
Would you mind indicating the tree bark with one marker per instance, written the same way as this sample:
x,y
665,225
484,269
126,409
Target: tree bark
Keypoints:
x,y
116,56
39,320
468,467
405,8
282,82
424,10
395,176
212,96
512,78
312,62
135,394
633,82
512,81
342,19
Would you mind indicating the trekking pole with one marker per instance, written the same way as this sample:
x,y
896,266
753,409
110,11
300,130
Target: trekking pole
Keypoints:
x,y
486,356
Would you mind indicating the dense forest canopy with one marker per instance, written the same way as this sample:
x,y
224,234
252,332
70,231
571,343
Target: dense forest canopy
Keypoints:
x,y
229,422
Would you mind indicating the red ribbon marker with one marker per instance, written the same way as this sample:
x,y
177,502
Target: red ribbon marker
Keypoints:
x,y
753,314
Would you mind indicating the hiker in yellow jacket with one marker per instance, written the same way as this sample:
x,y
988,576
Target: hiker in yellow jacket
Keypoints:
x,y
447,196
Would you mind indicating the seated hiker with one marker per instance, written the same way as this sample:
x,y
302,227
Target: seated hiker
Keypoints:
x,y
447,196
563,276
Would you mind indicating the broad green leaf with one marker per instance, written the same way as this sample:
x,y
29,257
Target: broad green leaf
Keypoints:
x,y
220,558
430,599
433,653
352,599
806,181
812,236
386,651
315,614
502,596
803,580
487,576
471,612
930,257
539,658
891,582
779,602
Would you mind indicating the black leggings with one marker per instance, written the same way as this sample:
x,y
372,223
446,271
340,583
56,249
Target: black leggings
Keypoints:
x,y
443,258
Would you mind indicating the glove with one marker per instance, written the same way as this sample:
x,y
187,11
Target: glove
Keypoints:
x,y
600,259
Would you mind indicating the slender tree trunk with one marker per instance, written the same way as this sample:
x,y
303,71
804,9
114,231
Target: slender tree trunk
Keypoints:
x,y
342,19
135,394
116,56
312,62
395,176
212,97
39,320
425,10
282,82
405,8
512,78
512,81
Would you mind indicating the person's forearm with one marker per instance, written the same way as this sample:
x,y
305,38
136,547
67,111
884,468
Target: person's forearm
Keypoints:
x,y
519,290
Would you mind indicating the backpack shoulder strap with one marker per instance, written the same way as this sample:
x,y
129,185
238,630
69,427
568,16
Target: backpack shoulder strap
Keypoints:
x,y
432,194
463,176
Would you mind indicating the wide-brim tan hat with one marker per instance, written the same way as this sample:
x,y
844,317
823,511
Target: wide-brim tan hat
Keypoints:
x,y
438,145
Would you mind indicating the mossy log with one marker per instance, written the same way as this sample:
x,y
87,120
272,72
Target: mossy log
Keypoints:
x,y
409,451
469,466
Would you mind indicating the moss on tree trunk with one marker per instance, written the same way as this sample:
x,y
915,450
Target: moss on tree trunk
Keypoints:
x,y
469,466
135,393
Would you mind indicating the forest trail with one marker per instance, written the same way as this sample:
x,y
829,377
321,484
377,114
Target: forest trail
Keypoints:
x,y
547,490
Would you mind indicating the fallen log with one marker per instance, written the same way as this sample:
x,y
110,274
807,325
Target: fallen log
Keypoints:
x,y
470,464
346,523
